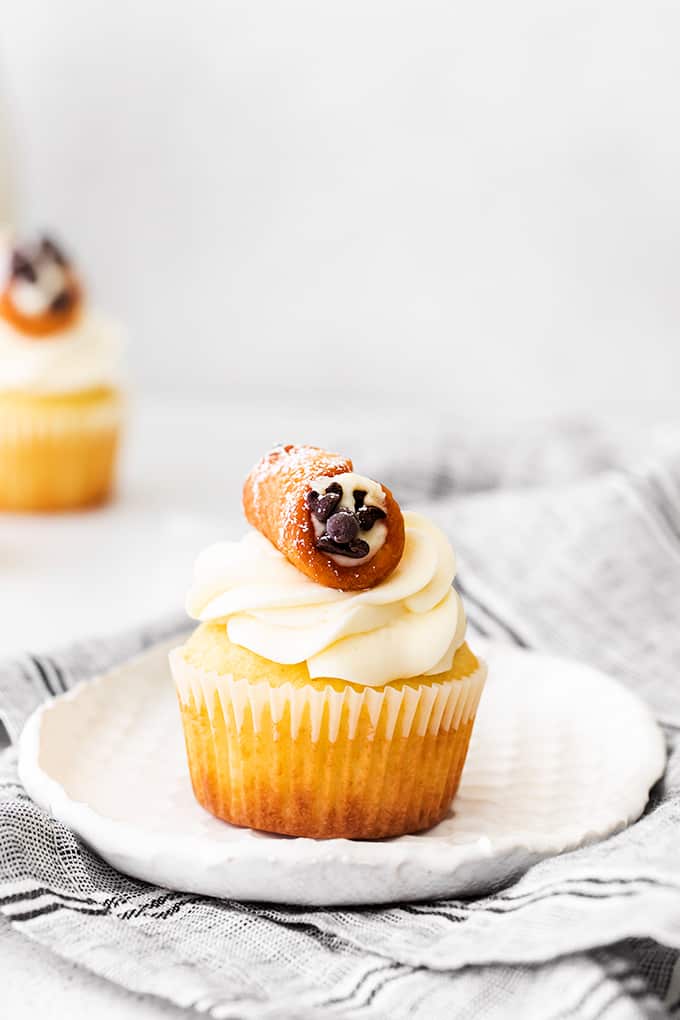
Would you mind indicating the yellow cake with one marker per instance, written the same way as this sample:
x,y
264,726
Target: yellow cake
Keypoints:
x,y
313,711
58,450
60,403
324,758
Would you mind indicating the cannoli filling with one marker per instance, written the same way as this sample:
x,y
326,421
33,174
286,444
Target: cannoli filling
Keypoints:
x,y
348,514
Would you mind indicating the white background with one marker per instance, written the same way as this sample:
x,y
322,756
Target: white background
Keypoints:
x,y
463,205
324,223
454,209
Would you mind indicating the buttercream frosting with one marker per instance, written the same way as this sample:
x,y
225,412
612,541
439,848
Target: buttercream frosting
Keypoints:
x,y
409,624
82,356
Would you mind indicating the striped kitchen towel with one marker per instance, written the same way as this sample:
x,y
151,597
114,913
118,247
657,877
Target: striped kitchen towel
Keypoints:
x,y
564,546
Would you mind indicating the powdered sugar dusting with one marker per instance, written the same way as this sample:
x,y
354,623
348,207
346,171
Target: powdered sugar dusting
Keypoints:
x,y
301,465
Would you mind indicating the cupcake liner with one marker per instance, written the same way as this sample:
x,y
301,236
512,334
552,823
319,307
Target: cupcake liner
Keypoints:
x,y
321,762
57,452
36,417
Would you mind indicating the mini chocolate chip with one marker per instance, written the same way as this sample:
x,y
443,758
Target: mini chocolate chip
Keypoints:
x,y
368,515
325,506
359,497
342,527
61,302
53,251
322,507
354,550
327,545
23,267
335,487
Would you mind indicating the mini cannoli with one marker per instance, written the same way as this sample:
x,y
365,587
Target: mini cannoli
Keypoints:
x,y
339,528
41,294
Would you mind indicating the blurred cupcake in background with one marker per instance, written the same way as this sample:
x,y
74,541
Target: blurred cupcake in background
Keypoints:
x,y
60,402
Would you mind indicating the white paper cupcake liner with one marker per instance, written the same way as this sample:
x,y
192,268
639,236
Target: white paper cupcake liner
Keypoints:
x,y
429,708
20,423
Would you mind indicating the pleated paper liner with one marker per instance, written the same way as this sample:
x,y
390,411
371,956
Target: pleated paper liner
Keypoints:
x,y
314,761
58,452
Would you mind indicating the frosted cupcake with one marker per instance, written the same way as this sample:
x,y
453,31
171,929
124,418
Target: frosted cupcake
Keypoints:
x,y
60,405
328,690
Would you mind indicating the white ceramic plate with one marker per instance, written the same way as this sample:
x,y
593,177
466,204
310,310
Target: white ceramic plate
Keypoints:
x,y
550,768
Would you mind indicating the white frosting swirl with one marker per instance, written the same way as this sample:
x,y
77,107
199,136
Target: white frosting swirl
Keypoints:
x,y
80,357
409,624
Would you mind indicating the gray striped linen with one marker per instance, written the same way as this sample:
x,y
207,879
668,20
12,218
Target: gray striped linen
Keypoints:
x,y
567,545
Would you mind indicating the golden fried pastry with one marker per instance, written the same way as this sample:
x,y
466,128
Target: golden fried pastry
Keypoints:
x,y
339,528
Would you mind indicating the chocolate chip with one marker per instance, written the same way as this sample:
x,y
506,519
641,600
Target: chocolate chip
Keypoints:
x,y
53,251
342,527
62,302
335,487
359,497
354,550
23,267
368,515
322,506
326,505
327,545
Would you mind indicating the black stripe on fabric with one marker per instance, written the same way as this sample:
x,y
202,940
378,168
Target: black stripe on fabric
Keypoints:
x,y
111,903
442,483
158,901
472,911
656,495
122,909
477,625
510,631
579,894
593,880
406,972
27,675
58,672
176,907
531,897
410,909
35,894
369,974
43,675
51,908
315,933
327,939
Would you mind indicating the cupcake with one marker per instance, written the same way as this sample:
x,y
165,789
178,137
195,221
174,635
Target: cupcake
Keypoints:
x,y
328,690
60,405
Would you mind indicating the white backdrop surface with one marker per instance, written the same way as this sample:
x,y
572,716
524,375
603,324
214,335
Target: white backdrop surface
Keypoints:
x,y
462,204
